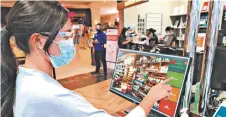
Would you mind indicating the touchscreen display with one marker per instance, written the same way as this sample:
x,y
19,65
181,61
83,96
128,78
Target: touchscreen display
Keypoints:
x,y
136,72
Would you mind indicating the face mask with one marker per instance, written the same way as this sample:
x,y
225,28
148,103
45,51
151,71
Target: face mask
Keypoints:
x,y
168,33
64,34
67,51
127,34
98,28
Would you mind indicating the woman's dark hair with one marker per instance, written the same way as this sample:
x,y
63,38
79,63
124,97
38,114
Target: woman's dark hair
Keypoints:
x,y
24,19
150,30
123,31
168,28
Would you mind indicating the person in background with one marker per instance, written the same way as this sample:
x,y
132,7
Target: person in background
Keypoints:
x,y
153,39
169,33
91,36
76,35
30,89
84,39
76,39
122,39
100,39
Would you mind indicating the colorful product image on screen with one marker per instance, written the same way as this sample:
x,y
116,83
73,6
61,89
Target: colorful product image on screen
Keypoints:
x,y
177,79
167,107
175,95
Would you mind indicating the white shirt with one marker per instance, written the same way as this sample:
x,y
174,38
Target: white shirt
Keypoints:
x,y
39,95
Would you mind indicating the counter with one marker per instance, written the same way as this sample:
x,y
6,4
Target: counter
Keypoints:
x,y
99,95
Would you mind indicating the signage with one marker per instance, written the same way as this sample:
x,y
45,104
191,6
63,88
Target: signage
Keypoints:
x,y
112,32
224,41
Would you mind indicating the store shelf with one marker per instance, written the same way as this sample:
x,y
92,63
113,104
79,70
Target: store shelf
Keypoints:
x,y
153,62
153,82
180,49
158,78
180,39
180,28
156,72
204,12
179,15
203,27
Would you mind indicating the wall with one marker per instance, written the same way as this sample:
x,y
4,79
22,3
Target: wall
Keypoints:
x,y
4,12
87,12
153,6
95,13
97,7
108,18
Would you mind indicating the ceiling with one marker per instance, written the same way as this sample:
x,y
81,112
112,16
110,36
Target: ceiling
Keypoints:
x,y
106,6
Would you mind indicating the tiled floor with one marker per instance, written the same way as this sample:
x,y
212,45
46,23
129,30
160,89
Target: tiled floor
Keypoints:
x,y
77,73
83,80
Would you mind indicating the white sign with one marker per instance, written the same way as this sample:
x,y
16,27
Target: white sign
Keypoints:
x,y
224,41
112,32
111,51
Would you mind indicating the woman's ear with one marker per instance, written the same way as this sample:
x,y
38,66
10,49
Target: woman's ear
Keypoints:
x,y
37,41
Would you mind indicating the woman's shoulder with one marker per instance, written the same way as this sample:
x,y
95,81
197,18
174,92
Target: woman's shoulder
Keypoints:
x,y
38,86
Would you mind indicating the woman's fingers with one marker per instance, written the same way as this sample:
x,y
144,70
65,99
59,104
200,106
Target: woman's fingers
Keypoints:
x,y
168,88
166,81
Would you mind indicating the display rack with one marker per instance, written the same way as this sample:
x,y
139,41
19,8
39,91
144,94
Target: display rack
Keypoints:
x,y
179,24
141,25
154,20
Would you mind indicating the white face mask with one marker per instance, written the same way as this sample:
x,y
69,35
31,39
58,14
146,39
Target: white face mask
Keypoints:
x,y
126,33
168,33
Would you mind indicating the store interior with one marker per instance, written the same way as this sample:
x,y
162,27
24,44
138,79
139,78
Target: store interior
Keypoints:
x,y
138,17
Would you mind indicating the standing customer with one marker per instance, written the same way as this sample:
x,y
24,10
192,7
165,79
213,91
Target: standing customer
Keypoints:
x,y
171,37
100,39
30,90
76,39
153,39
122,39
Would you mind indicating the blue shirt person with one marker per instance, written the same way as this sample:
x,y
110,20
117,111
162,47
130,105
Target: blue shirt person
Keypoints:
x,y
100,39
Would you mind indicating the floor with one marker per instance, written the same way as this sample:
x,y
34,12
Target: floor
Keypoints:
x,y
82,80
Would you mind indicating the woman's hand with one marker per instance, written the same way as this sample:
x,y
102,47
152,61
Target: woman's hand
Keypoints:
x,y
156,93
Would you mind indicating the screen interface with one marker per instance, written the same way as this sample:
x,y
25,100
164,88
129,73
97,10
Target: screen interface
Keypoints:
x,y
136,72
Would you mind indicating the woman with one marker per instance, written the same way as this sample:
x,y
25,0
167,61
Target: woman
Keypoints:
x,y
170,35
30,90
153,39
122,39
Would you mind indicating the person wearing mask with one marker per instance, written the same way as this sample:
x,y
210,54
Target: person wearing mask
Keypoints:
x,y
100,39
76,39
170,37
153,39
30,89
76,35
122,39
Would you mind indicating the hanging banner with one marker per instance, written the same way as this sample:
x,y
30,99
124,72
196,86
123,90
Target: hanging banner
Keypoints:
x,y
213,43
192,35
